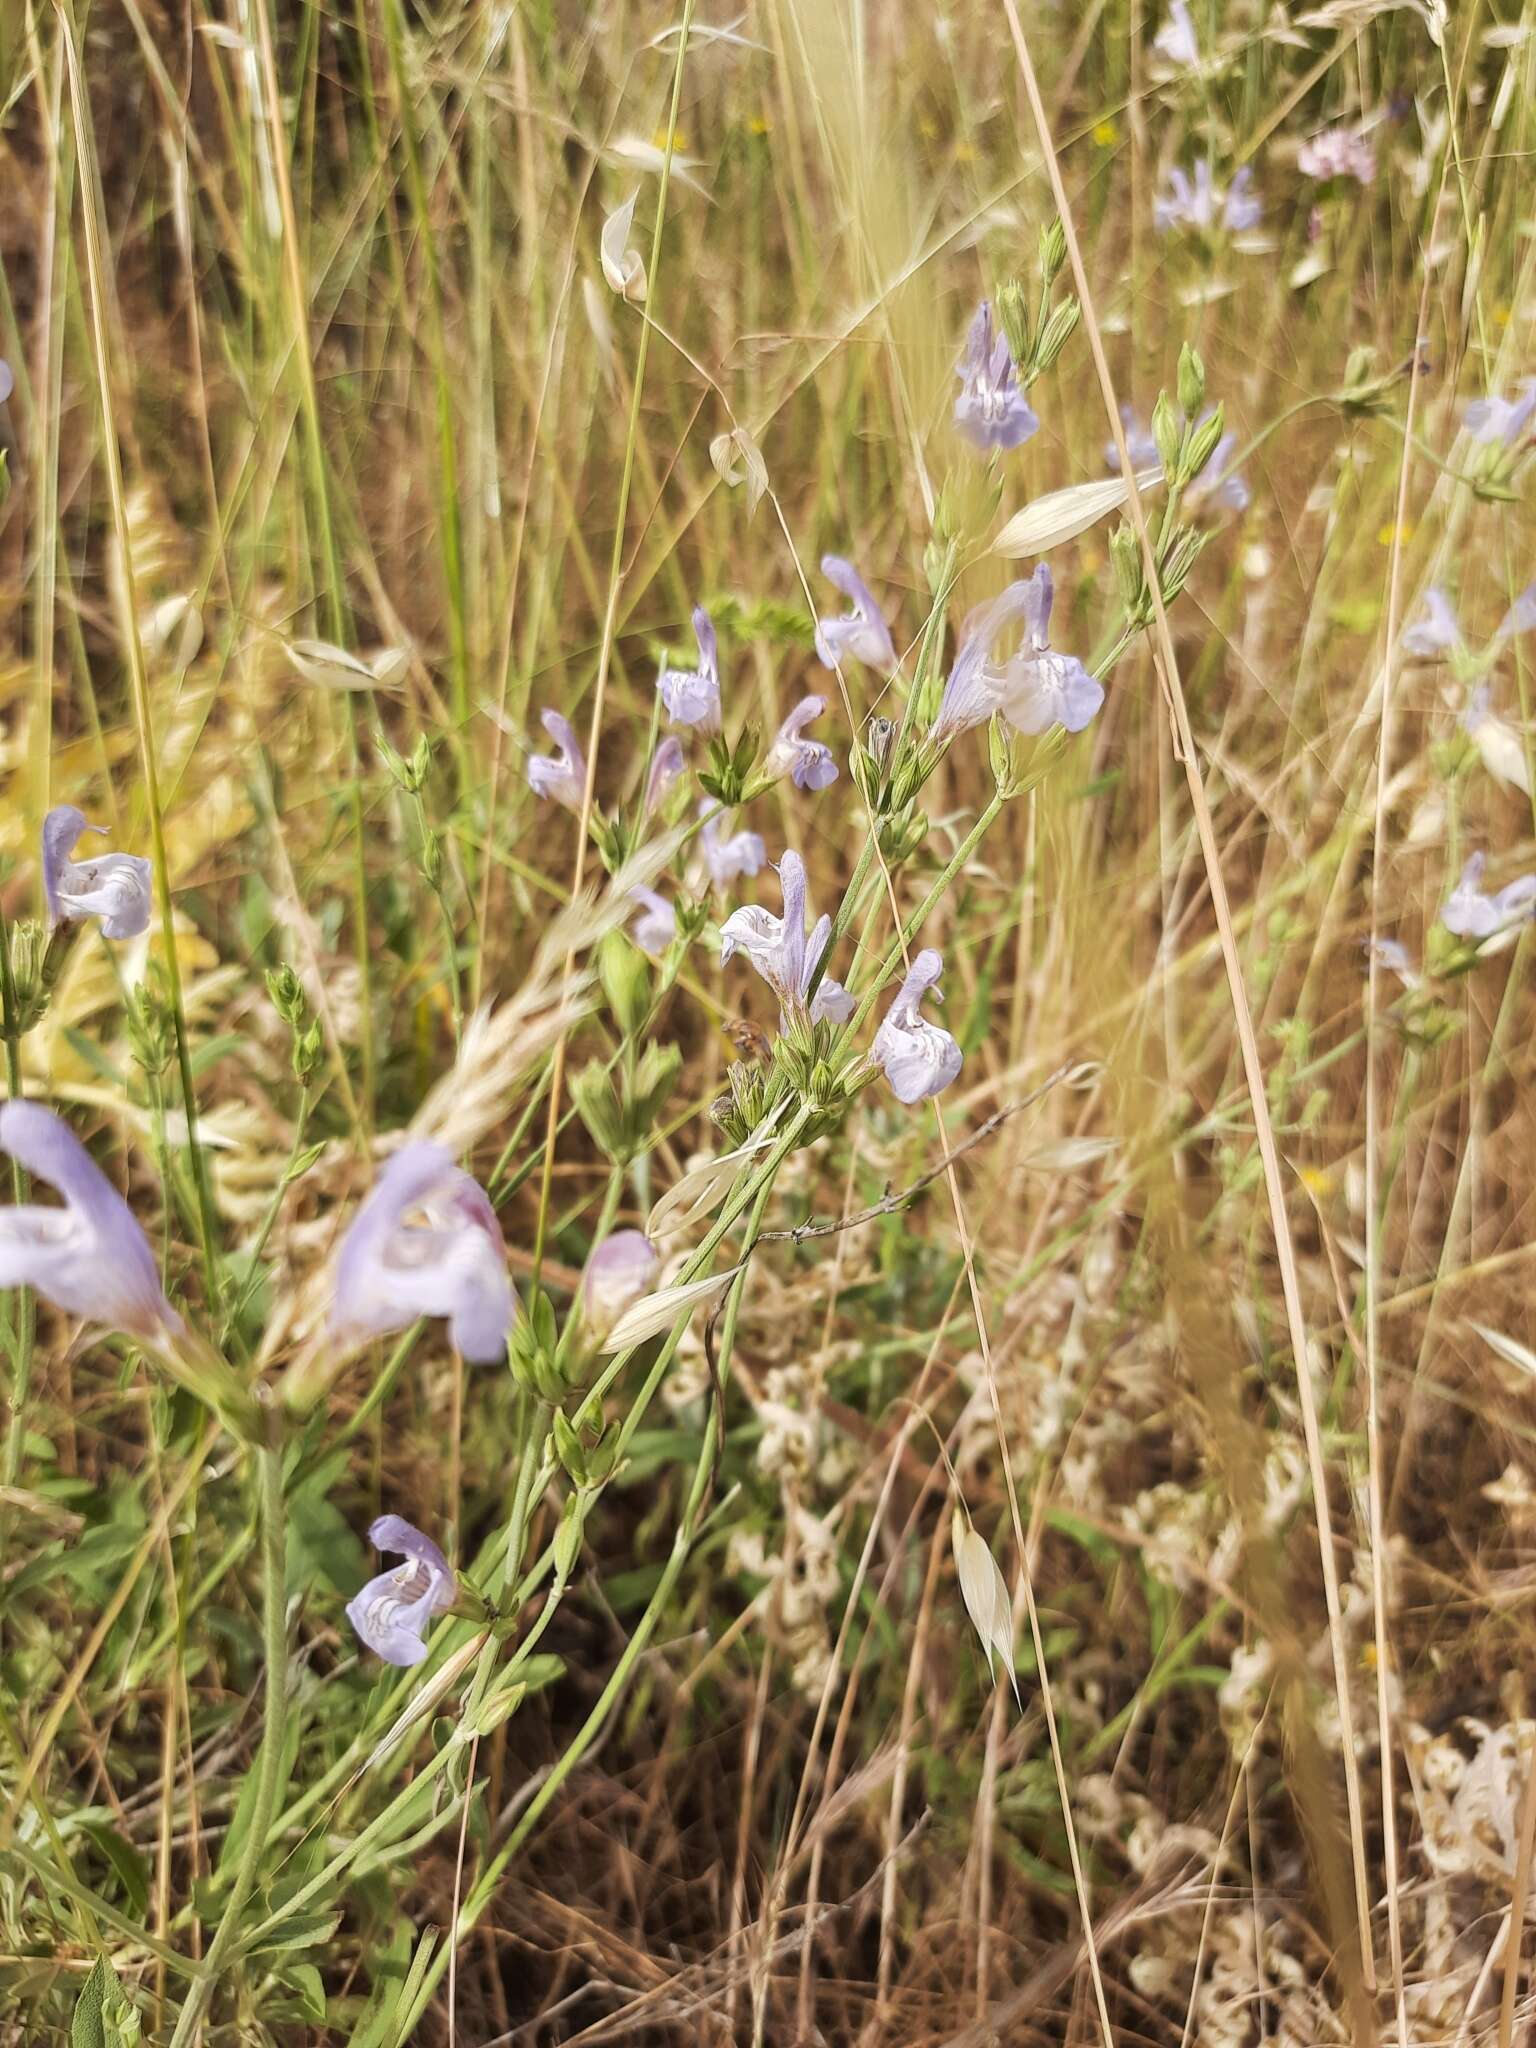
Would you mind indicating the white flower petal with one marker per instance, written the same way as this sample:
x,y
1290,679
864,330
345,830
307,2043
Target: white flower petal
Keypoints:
x,y
621,265
654,1313
1062,515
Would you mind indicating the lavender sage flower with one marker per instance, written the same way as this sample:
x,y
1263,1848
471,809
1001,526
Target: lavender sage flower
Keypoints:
x,y
743,853
1395,957
113,887
425,1243
1502,420
1140,445
89,1258
1176,39
1436,630
666,766
977,680
1042,688
623,1267
655,925
692,695
1472,914
991,410
807,763
861,634
563,774
1197,202
392,1611
918,1058
1341,152
779,950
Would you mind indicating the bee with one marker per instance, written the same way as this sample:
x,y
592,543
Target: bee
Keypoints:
x,y
748,1038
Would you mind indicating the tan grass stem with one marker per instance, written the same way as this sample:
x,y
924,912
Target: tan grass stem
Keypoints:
x,y
1184,747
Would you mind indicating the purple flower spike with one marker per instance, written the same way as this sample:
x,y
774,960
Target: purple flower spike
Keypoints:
x,y
667,766
1043,688
743,853
655,926
860,635
1436,630
1471,914
991,410
692,695
807,763
89,1258
562,775
1139,443
425,1243
779,950
623,1267
392,1611
113,887
918,1058
1502,420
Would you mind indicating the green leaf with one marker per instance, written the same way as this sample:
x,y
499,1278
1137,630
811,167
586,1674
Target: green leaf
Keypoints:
x,y
306,1980
103,2016
131,1868
88,2028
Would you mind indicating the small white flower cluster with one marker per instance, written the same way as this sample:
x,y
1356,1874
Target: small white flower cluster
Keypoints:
x,y
803,1580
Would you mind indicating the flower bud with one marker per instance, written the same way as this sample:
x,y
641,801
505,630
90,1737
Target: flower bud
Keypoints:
x,y
1167,433
1191,381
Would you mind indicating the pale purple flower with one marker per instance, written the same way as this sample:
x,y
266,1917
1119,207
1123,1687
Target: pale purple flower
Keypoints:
x,y
1139,443
991,410
780,951
425,1243
861,634
1502,420
807,763
89,1258
1520,618
1176,39
563,774
1042,688
1197,202
1243,209
666,766
1436,630
623,1267
743,853
113,887
692,695
1471,914
1393,955
1341,152
1218,483
978,678
918,1058
654,926
392,1611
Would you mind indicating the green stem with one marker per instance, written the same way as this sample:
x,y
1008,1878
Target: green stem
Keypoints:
x,y
915,922
586,1735
269,1762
